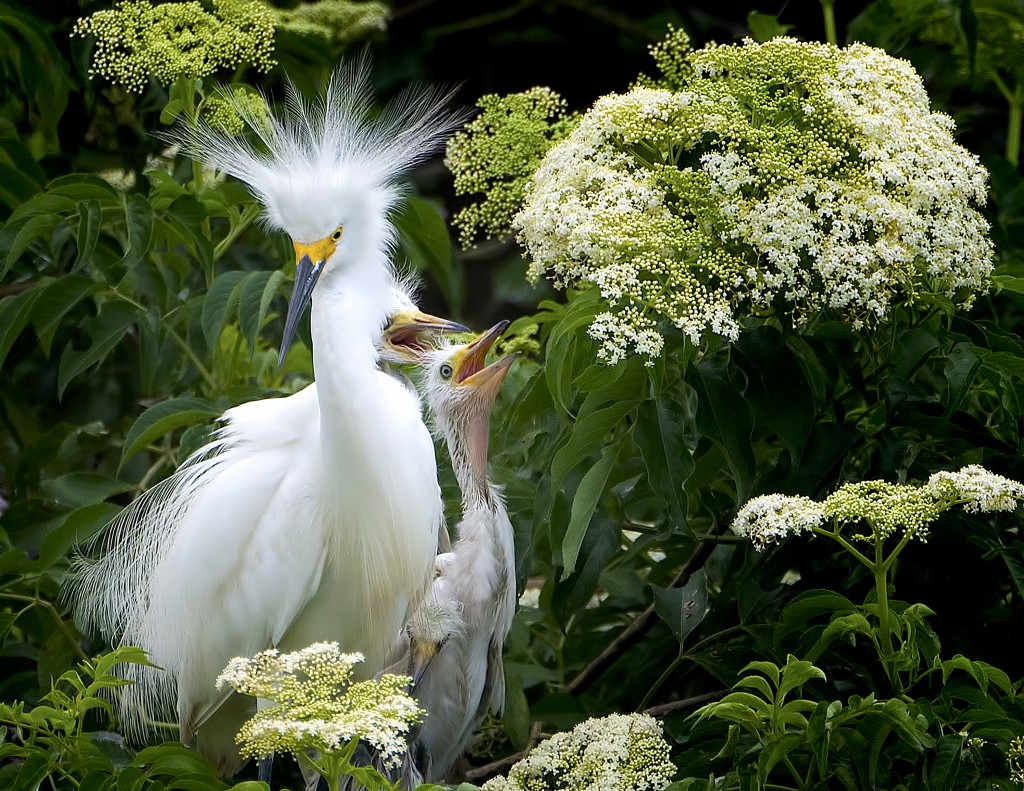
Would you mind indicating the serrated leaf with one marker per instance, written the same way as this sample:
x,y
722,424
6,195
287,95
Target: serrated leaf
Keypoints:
x,y
250,297
105,330
163,418
588,436
424,237
56,300
584,503
658,434
724,416
89,220
220,299
75,489
139,220
683,608
15,313
28,232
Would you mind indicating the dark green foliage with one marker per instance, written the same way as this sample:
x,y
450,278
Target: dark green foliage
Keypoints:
x,y
130,318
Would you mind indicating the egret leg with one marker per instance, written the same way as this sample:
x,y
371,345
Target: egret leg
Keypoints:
x,y
266,768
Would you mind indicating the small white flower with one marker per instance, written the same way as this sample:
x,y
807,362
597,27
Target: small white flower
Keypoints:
x,y
771,517
983,490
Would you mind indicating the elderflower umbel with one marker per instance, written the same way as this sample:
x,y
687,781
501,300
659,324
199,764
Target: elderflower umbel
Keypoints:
x,y
334,22
784,176
497,152
136,39
317,705
621,752
1015,758
982,490
887,508
771,517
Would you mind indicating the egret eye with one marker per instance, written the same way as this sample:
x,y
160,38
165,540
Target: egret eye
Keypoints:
x,y
446,371
337,234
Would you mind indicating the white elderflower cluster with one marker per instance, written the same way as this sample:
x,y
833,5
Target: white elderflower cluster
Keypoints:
x,y
979,489
886,508
771,517
317,705
621,752
778,177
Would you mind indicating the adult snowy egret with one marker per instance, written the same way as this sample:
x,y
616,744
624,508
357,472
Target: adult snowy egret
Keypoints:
x,y
298,523
456,636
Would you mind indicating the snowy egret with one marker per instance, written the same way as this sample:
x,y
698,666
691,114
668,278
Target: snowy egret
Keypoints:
x,y
456,636
297,523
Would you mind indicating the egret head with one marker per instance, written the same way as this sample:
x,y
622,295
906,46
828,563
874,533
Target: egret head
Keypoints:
x,y
460,391
327,171
434,623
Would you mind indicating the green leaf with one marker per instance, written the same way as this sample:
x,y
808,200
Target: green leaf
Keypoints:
x,y
32,229
558,368
584,503
75,489
105,330
171,111
946,764
163,418
724,416
425,240
839,626
588,436
764,27
56,300
683,608
32,773
139,218
250,300
89,219
515,720
658,433
15,313
217,306
961,368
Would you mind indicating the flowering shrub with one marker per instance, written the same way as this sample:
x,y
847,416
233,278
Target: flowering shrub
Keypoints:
x,y
886,507
136,39
317,704
785,176
620,752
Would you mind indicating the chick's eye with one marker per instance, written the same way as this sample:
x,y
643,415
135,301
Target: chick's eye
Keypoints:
x,y
336,235
446,371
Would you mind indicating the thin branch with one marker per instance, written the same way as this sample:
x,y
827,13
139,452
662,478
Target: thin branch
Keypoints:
x,y
685,704
503,764
639,627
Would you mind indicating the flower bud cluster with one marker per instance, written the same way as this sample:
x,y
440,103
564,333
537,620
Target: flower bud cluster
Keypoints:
x,y
136,40
498,151
620,752
317,705
758,178
887,508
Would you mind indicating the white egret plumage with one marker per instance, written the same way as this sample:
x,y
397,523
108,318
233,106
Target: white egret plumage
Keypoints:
x,y
456,636
299,522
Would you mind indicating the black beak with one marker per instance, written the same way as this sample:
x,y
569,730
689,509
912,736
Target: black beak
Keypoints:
x,y
306,275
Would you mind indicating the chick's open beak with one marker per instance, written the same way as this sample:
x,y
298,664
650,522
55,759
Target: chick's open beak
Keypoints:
x,y
309,265
471,361
403,333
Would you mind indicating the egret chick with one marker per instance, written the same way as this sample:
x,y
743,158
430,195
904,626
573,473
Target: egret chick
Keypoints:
x,y
456,636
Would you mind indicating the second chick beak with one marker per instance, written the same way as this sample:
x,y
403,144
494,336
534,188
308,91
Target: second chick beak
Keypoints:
x,y
402,335
422,655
